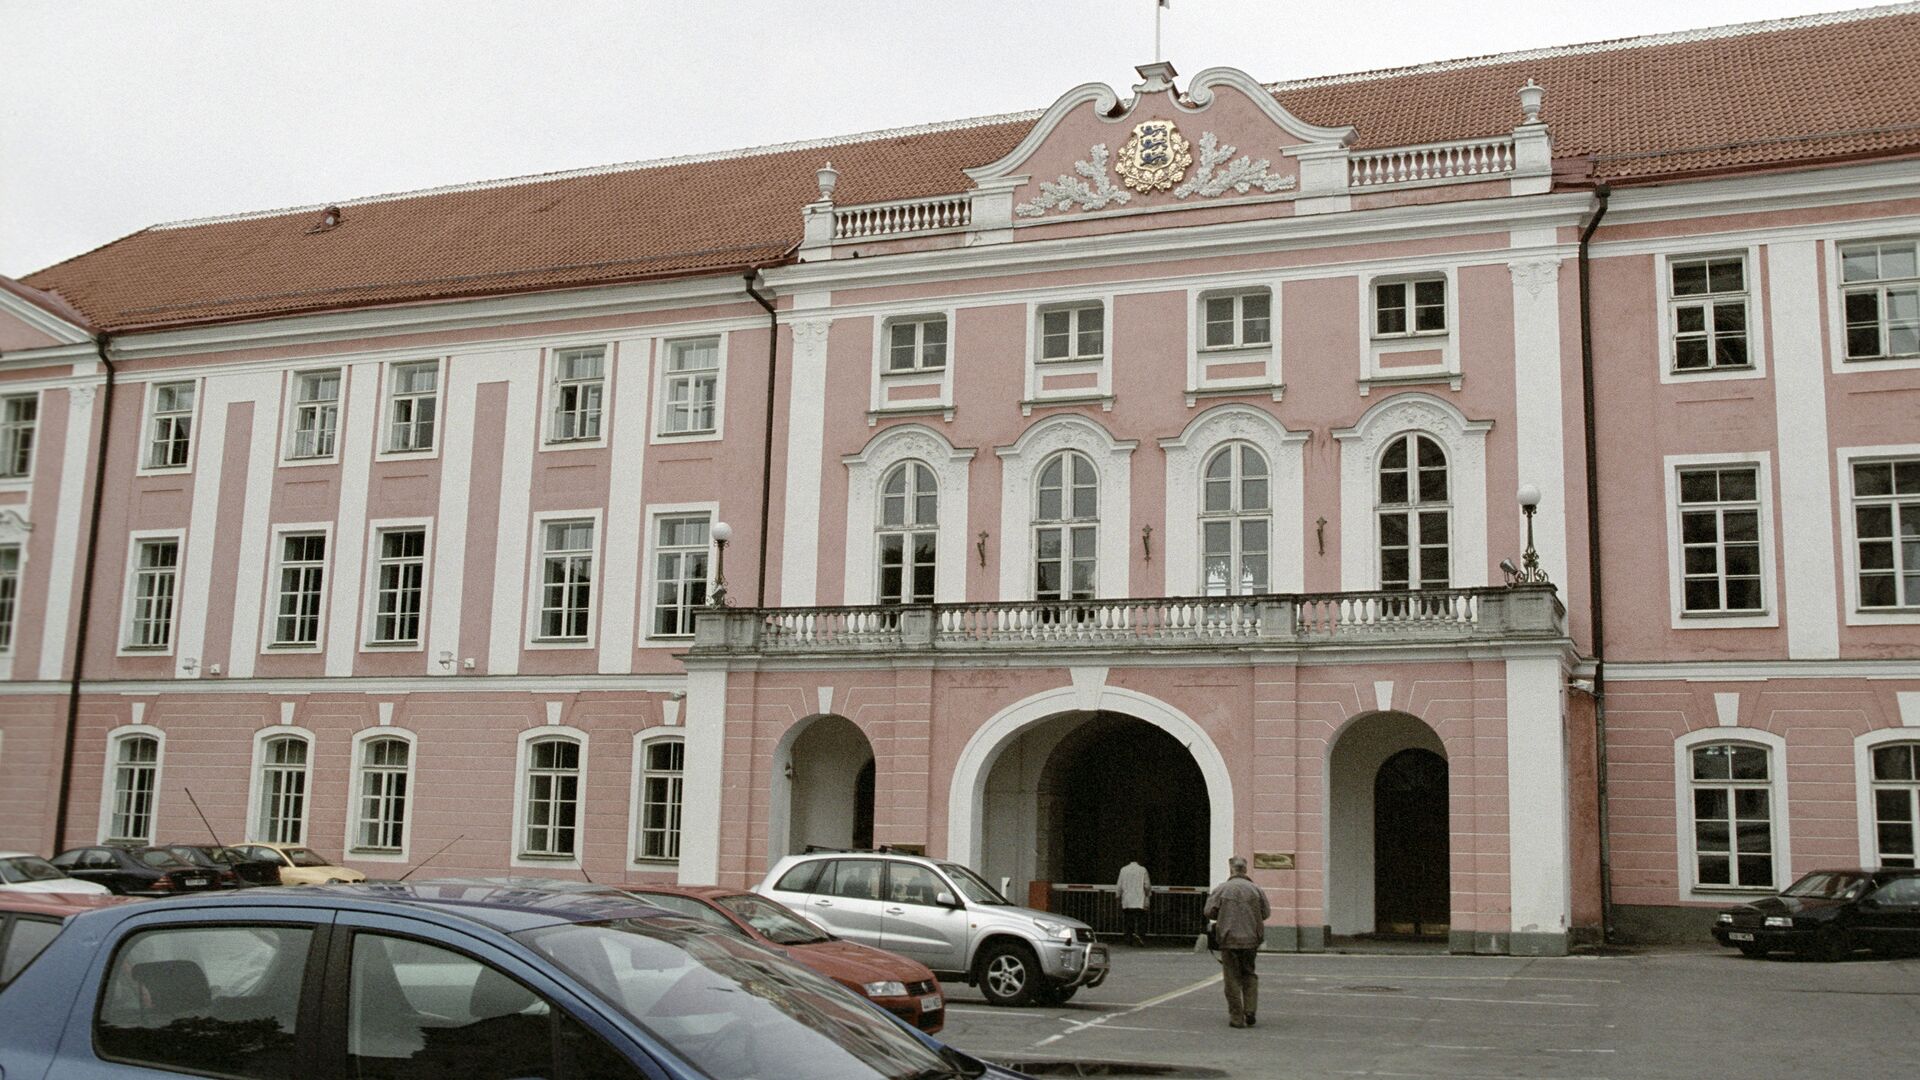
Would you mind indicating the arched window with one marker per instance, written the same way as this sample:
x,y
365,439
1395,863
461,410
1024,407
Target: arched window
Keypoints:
x,y
1896,802
1235,521
553,798
381,821
1733,844
283,790
1415,530
909,523
663,762
136,770
1066,528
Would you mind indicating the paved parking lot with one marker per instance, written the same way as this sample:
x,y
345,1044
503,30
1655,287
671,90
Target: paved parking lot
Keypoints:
x,y
1693,1013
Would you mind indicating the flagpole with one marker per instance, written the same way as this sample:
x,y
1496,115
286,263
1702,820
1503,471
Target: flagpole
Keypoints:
x,y
1158,7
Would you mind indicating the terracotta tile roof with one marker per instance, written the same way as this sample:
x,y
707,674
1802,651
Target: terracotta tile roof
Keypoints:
x,y
1764,95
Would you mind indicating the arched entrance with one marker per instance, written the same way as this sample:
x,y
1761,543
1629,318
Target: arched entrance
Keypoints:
x,y
823,788
1387,829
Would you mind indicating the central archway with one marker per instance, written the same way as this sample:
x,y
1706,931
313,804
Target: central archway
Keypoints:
x,y
1388,817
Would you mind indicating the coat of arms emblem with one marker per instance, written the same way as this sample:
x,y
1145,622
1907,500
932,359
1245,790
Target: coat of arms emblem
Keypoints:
x,y
1156,158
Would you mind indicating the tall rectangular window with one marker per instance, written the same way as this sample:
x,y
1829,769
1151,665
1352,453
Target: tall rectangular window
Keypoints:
x,y
1720,540
303,573
1073,333
553,797
1707,306
283,790
679,573
1238,320
413,404
1896,802
917,344
19,417
170,430
136,767
1732,816
689,402
382,817
9,593
1880,290
663,764
400,577
316,414
1407,308
579,394
566,580
156,570
1886,528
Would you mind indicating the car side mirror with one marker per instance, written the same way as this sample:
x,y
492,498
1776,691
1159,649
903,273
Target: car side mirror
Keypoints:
x,y
945,899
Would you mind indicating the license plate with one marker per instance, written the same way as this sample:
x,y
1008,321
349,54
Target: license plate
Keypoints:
x,y
195,882
932,1003
1097,956
1735,935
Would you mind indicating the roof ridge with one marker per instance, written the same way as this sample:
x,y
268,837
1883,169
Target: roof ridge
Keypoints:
x,y
1671,37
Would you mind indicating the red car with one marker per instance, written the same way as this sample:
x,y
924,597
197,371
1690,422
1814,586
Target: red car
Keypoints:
x,y
901,986
30,921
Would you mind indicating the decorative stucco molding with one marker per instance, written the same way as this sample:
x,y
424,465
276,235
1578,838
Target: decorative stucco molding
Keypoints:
x,y
1239,176
1534,275
14,525
865,472
1095,192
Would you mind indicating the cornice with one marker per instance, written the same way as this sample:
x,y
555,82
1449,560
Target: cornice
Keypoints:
x,y
383,686
1803,189
55,327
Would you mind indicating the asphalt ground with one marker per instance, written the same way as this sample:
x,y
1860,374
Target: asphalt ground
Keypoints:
x,y
1671,1013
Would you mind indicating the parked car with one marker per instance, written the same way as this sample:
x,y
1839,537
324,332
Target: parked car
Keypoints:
x,y
428,980
946,917
24,873
297,864
135,871
236,868
1830,914
30,921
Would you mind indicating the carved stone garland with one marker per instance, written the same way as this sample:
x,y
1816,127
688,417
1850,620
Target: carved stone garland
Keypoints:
x,y
1240,176
1095,192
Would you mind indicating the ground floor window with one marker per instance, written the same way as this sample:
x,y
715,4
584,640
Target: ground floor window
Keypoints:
x,y
1733,844
283,784
384,769
663,762
1896,802
136,768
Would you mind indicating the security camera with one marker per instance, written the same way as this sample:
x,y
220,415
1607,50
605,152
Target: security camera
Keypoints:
x,y
1507,568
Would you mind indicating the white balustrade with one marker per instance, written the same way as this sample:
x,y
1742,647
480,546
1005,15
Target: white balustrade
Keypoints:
x,y
1409,614
1468,160
901,217
816,628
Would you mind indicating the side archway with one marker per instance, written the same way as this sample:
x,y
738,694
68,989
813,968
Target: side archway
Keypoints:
x,y
822,787
1384,820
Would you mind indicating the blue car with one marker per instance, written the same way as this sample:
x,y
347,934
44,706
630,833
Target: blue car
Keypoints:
x,y
393,982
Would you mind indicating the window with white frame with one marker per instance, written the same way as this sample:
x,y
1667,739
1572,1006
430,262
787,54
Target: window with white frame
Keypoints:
x,y
1732,794
381,819
1896,802
1415,514
400,576
283,790
156,569
19,418
1720,540
690,395
413,406
553,798
679,573
1235,520
1707,312
316,414
1073,332
909,534
662,770
136,768
170,426
1410,308
1880,291
1236,320
579,394
1886,532
917,344
303,579
1066,528
9,593
566,580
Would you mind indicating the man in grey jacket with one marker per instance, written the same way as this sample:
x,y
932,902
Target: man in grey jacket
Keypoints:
x,y
1239,910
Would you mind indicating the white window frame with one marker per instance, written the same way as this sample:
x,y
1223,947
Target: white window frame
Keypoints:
x,y
293,408
1186,457
1776,747
885,380
1863,748
919,322
370,586
11,582
258,793
388,372
554,385
651,569
1769,614
270,621
11,432
109,779
1465,443
1019,498
638,807
1840,236
519,856
1100,366
1413,510
1234,516
910,528
1878,285
1067,525
127,598
865,471
536,580
356,774
149,418
1203,358
1757,312
664,376
1375,346
1845,458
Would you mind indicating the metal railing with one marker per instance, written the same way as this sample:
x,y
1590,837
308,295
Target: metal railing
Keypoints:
x,y
1172,910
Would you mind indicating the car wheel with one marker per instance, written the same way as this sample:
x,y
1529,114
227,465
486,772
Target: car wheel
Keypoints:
x,y
1752,948
1831,943
1009,973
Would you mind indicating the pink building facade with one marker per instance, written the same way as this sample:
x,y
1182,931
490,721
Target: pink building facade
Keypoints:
x,y
1142,477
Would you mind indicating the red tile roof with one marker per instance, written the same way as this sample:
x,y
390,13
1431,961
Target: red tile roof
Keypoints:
x,y
1796,91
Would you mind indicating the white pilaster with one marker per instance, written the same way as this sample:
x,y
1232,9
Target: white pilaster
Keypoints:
x,y
806,442
350,521
1539,417
701,797
620,570
521,372
1806,487
255,558
76,479
1538,823
196,578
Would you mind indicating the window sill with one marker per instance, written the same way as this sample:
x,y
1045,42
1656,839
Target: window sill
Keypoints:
x,y
391,646
1234,350
918,408
1096,358
658,864
559,644
1415,336
1413,377
1105,401
293,647
1734,890
909,372
1195,393
547,857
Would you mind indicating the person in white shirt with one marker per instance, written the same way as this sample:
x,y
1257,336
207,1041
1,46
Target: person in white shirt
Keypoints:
x,y
1133,887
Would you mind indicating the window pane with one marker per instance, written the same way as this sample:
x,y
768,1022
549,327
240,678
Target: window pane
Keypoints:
x,y
1725,275
1893,763
417,1010
216,1000
1756,870
1689,278
1712,763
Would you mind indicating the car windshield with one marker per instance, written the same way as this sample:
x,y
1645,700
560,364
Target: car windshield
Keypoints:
x,y
305,857
28,868
161,858
781,926
972,886
190,855
733,1010
1826,885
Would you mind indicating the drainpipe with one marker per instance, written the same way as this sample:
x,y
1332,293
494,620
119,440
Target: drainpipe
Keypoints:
x,y
766,450
1596,595
81,621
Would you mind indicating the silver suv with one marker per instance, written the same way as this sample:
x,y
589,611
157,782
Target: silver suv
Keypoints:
x,y
945,916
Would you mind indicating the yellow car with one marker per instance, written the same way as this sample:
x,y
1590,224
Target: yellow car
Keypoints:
x,y
300,865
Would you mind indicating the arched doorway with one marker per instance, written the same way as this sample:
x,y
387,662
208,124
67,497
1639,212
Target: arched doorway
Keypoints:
x,y
1388,868
823,788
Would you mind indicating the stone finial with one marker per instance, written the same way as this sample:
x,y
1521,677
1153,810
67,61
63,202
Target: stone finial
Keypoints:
x,y
829,177
1155,77
1531,97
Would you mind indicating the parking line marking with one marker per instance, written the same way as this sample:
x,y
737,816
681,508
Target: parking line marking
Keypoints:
x,y
1147,1004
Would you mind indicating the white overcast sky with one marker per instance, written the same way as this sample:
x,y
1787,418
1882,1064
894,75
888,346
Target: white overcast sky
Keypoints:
x,y
118,115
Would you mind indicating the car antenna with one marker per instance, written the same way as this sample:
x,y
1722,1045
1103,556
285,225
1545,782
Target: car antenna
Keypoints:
x,y
203,818
589,877
433,856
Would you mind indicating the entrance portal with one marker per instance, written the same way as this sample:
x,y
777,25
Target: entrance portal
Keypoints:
x,y
1410,894
827,770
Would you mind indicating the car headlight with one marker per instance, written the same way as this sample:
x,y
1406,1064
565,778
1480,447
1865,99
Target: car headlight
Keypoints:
x,y
1054,929
885,989
1726,916
1782,922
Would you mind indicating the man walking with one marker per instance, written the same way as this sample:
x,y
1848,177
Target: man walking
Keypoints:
x,y
1133,886
1239,910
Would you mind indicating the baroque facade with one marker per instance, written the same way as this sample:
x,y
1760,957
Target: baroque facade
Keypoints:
x,y
1139,477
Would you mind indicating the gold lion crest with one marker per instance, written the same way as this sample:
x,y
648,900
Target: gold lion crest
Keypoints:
x,y
1156,158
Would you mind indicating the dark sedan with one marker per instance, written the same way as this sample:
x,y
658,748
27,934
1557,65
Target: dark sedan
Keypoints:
x,y
1830,914
234,868
136,871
